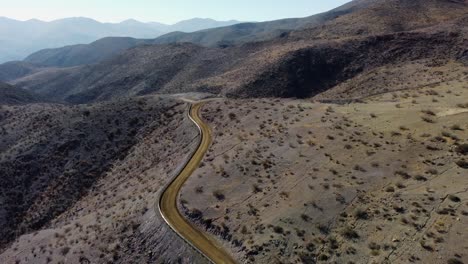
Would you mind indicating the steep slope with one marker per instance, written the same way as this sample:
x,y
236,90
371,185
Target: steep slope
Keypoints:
x,y
359,17
11,95
373,17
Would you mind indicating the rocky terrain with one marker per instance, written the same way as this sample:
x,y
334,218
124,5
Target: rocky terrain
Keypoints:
x,y
338,138
363,17
79,183
382,180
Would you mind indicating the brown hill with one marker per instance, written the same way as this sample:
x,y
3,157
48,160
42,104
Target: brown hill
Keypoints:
x,y
296,181
303,63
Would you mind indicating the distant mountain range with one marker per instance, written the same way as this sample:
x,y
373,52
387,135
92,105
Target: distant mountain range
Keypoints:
x,y
21,38
326,50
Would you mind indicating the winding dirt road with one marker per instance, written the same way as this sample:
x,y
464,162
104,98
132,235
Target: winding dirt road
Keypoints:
x,y
201,241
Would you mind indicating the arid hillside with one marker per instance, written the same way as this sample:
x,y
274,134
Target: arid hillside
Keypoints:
x,y
79,183
291,67
300,64
383,180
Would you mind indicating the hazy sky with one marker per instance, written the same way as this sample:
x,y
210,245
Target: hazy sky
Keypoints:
x,y
166,11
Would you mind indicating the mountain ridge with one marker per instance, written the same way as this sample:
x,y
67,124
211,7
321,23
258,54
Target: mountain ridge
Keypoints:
x,y
301,63
342,21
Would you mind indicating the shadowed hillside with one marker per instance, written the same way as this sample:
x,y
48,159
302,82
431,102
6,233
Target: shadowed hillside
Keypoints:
x,y
82,54
12,95
16,69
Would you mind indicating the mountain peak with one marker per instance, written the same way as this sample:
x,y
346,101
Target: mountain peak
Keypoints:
x,y
131,21
76,20
196,24
205,20
35,20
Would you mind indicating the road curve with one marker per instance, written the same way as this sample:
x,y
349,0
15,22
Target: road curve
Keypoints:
x,y
201,241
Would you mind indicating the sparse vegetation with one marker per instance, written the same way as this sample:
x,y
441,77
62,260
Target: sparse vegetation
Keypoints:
x,y
349,233
219,195
454,261
420,178
428,119
429,112
278,229
361,214
462,164
454,198
462,149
